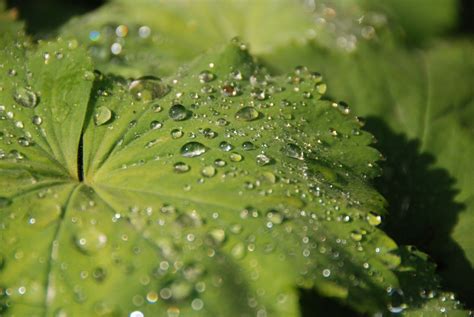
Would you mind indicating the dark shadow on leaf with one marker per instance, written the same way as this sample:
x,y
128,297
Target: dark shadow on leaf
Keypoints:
x,y
422,207
44,16
313,305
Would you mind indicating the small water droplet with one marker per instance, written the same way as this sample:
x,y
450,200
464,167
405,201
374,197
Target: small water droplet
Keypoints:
x,y
176,133
225,146
36,120
321,88
25,97
373,219
396,304
154,125
179,112
193,149
219,163
206,76
181,167
102,115
248,146
247,114
236,157
294,151
208,171
263,159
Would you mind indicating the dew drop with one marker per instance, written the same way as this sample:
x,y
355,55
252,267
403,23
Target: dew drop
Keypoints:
x,y
25,97
176,133
206,76
225,146
321,88
294,151
148,88
36,120
179,113
263,159
248,146
220,163
373,219
396,304
247,114
208,171
102,115
155,125
181,167
236,157
193,149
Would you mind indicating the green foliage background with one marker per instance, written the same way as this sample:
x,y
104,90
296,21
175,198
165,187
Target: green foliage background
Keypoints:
x,y
400,65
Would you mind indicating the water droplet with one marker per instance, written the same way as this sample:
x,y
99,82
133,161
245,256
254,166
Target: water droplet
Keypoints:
x,y
176,133
193,149
396,304
25,97
208,171
236,157
181,167
225,146
144,31
5,202
248,146
356,235
275,217
238,251
263,159
294,151
321,88
148,88
136,313
90,240
173,311
36,120
220,163
206,76
230,90
247,114
326,272
373,219
154,125
217,235
102,115
208,133
197,304
179,112
99,274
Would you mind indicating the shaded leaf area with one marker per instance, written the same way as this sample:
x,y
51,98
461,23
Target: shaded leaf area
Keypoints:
x,y
44,17
428,97
218,191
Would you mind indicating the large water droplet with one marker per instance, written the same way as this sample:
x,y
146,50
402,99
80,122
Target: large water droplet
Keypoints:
x,y
25,97
247,114
179,112
192,149
102,115
148,88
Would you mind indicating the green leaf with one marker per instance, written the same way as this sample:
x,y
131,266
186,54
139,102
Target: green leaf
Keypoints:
x,y
419,106
218,191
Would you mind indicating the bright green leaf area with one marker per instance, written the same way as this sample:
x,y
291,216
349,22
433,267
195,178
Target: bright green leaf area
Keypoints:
x,y
428,97
218,191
